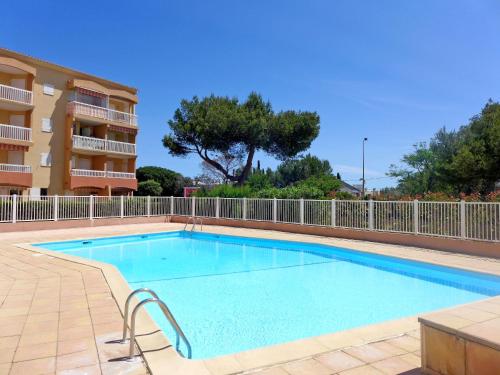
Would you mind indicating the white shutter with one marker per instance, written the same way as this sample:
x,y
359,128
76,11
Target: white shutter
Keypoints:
x,y
45,159
48,89
47,125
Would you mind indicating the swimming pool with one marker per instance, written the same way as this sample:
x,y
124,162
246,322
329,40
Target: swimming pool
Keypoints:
x,y
231,294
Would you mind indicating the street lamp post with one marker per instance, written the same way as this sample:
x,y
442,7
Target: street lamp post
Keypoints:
x,y
363,179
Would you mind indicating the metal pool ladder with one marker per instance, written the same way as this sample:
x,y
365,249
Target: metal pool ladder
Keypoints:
x,y
194,220
166,311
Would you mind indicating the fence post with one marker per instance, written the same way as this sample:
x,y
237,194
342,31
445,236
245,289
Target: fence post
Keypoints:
x,y
91,207
462,219
171,205
334,213
415,217
370,214
244,208
121,206
149,206
217,207
275,210
56,207
301,211
14,208
193,206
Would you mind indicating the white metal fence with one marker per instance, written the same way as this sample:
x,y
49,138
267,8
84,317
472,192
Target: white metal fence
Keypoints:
x,y
102,113
97,144
471,220
16,95
18,133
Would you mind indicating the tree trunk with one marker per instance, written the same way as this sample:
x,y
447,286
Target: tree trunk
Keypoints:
x,y
248,167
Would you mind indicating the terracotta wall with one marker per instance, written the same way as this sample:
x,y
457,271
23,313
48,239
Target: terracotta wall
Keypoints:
x,y
480,248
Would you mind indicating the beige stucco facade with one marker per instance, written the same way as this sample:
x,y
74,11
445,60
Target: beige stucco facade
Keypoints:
x,y
64,131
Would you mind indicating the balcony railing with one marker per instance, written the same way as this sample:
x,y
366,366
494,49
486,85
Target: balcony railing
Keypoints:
x,y
16,95
127,175
94,173
97,144
106,114
15,168
18,133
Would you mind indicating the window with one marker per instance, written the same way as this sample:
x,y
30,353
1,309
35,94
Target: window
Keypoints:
x,y
48,89
44,192
47,125
45,159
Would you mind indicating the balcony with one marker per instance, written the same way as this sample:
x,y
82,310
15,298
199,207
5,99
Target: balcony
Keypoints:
x,y
102,146
17,135
85,178
15,175
100,114
12,98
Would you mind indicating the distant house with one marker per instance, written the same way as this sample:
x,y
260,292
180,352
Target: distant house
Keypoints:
x,y
188,190
497,185
346,188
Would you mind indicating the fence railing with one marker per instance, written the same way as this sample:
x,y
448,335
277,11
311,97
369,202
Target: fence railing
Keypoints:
x,y
468,220
97,144
18,133
16,95
18,168
102,113
96,173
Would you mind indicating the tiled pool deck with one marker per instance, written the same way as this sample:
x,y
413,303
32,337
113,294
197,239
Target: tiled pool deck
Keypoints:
x,y
57,315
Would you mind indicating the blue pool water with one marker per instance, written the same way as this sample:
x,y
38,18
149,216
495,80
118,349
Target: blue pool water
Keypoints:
x,y
231,294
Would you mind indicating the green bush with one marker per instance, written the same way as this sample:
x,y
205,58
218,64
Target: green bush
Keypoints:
x,y
325,183
149,187
226,191
291,192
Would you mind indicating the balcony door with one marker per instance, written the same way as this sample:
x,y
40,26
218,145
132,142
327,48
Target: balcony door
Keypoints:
x,y
15,157
19,83
16,120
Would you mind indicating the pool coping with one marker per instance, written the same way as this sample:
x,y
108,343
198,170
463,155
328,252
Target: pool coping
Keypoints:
x,y
168,360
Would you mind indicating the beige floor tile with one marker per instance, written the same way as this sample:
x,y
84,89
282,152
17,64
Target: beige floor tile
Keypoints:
x,y
26,353
6,354
128,368
78,332
412,359
35,367
339,361
368,353
79,359
272,371
307,367
75,345
408,343
9,342
363,370
393,366
5,368
86,370
34,339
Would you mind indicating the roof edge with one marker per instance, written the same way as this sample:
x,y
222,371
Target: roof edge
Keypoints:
x,y
54,66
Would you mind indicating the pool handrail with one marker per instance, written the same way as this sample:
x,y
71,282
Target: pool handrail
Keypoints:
x,y
166,312
127,304
194,219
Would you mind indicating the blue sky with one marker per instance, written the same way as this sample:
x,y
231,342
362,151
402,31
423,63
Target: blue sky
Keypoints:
x,y
393,71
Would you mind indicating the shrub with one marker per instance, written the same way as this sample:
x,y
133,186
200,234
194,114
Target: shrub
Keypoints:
x,y
342,196
149,187
291,192
225,191
325,183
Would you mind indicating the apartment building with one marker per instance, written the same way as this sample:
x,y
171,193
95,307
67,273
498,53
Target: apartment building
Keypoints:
x,y
64,132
